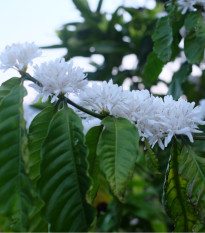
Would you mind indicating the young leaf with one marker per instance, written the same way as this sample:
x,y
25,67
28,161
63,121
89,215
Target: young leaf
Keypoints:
x,y
37,223
152,68
163,38
37,133
117,149
91,142
14,185
178,79
64,183
151,159
194,42
192,169
177,205
6,87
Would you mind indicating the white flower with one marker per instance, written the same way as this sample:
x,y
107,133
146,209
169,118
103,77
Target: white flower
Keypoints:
x,y
18,56
159,120
202,106
58,78
178,118
105,98
186,5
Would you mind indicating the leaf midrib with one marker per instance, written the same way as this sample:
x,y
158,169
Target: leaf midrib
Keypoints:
x,y
73,159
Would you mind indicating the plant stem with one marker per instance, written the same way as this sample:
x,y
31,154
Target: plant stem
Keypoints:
x,y
30,78
99,6
199,137
99,116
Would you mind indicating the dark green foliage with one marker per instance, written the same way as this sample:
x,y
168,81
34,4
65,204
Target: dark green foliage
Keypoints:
x,y
64,162
178,206
163,38
194,43
152,68
175,88
15,198
112,38
37,133
151,160
192,169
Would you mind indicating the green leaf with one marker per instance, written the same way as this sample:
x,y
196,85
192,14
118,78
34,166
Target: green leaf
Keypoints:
x,y
6,87
192,169
192,20
117,149
194,42
83,7
14,184
37,132
91,142
152,68
163,38
107,47
176,202
37,223
151,159
5,224
175,88
64,183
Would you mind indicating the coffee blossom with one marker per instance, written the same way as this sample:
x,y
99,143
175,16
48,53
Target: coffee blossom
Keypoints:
x,y
18,56
105,98
188,5
174,118
158,120
58,78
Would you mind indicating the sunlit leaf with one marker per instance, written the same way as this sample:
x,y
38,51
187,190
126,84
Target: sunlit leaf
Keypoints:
x,y
117,149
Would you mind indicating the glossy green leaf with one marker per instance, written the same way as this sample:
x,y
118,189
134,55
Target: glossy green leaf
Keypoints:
x,y
6,87
175,88
178,207
194,42
37,133
192,169
117,149
163,38
192,20
152,68
64,183
14,184
37,222
92,138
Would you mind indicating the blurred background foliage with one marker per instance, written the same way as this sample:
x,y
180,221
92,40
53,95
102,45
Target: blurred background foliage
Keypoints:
x,y
155,37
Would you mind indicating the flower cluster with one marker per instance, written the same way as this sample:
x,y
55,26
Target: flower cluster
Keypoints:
x,y
58,78
189,5
18,56
157,119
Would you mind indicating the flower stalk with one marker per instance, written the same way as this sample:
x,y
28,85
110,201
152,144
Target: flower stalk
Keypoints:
x,y
28,77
